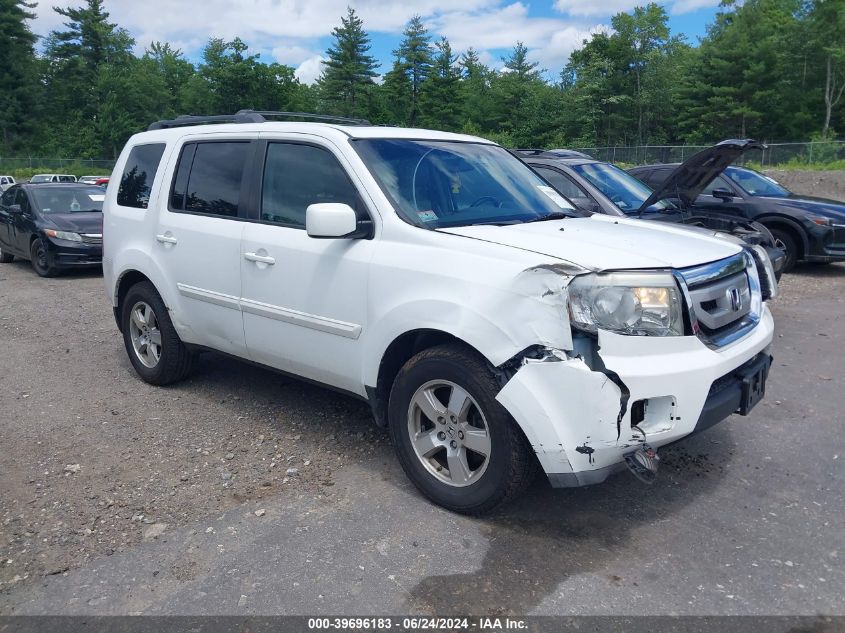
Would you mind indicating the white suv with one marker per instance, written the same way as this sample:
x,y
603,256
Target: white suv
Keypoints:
x,y
491,327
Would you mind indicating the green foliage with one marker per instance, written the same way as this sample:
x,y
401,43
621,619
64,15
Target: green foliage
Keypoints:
x,y
19,87
346,84
767,69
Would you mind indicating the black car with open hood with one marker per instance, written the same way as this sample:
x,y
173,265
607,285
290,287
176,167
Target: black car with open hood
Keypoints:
x,y
804,227
601,187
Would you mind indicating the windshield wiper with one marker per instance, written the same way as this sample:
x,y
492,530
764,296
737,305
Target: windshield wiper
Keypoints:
x,y
554,215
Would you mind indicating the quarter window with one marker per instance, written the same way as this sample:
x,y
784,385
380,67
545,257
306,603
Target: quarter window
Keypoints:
x,y
296,176
138,175
208,178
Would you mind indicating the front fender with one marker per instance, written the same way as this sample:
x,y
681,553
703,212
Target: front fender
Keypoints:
x,y
497,322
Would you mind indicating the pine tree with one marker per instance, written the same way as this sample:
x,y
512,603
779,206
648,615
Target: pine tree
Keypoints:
x,y
440,98
415,60
348,72
18,80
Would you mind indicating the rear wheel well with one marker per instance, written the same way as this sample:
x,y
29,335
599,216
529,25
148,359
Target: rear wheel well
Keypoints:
x,y
128,280
399,352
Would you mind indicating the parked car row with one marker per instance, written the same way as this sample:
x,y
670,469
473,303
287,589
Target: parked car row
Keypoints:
x,y
501,312
706,191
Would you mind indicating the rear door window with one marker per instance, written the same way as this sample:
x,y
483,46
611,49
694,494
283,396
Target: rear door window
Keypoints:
x,y
208,178
138,175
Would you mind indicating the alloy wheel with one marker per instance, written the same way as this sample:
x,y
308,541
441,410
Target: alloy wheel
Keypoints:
x,y
449,433
145,334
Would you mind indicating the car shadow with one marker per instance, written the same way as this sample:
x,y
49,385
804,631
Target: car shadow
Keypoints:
x,y
549,535
67,273
536,542
819,271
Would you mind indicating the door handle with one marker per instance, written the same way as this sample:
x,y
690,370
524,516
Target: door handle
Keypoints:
x,y
166,239
263,259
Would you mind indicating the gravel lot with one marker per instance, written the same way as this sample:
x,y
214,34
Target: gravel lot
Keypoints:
x,y
94,462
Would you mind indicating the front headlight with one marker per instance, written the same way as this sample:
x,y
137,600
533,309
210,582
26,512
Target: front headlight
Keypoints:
x,y
64,235
640,304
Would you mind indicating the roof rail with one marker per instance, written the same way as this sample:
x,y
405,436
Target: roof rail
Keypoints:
x,y
328,118
250,116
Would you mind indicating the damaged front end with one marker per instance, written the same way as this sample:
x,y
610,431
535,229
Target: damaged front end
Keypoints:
x,y
634,375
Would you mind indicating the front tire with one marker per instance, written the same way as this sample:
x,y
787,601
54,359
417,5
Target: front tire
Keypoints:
x,y
154,348
786,241
6,258
40,259
455,442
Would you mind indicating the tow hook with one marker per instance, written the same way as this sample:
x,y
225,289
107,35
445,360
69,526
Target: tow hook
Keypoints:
x,y
643,463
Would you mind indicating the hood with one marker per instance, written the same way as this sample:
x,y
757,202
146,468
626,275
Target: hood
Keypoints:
x,y
76,222
602,242
818,206
691,177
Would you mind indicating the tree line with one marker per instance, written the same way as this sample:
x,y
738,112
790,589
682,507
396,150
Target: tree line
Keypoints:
x,y
768,69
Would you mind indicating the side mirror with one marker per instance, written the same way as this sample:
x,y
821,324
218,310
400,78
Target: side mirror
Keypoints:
x,y
722,194
332,220
15,209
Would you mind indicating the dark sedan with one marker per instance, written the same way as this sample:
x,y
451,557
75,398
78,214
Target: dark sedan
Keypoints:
x,y
54,226
806,228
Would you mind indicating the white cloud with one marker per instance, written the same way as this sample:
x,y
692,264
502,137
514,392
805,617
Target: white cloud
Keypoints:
x,y
555,53
594,7
550,40
688,6
292,55
309,70
252,20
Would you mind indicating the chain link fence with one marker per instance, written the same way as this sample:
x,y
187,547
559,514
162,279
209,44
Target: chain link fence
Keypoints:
x,y
808,153
91,166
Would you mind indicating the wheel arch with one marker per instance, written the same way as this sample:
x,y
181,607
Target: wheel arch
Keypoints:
x,y
400,350
125,281
788,224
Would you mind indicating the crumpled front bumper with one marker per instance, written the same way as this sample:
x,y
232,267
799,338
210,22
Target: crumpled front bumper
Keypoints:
x,y
570,413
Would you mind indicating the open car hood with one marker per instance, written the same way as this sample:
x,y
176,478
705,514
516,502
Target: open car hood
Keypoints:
x,y
691,177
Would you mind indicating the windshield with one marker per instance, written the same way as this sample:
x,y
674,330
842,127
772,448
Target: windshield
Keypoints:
x,y
437,184
58,199
40,179
755,184
625,191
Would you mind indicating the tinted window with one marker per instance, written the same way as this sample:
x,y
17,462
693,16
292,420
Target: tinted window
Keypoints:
x,y
296,176
213,184
23,200
716,183
138,175
560,182
7,199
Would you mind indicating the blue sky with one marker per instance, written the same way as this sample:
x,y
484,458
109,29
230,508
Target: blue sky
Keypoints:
x,y
297,32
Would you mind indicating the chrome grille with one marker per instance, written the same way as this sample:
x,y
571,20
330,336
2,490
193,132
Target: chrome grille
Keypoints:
x,y
721,299
92,238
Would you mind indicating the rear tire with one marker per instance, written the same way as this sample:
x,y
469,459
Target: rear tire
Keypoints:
x,y
40,260
786,240
154,348
6,258
455,442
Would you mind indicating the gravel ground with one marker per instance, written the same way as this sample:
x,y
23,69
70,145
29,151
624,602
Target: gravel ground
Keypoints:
x,y
95,462
94,459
